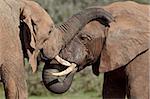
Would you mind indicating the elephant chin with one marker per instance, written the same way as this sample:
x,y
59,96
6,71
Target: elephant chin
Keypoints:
x,y
57,85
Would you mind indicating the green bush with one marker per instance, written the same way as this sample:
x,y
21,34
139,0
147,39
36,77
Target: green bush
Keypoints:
x,y
60,10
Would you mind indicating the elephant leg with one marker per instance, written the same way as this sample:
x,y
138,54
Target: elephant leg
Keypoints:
x,y
138,75
114,86
14,82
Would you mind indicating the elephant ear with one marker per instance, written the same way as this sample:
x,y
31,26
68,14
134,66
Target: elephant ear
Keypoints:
x,y
40,26
28,20
25,16
121,47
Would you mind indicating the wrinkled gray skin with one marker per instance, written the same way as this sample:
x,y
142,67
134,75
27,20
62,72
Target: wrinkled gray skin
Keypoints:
x,y
118,51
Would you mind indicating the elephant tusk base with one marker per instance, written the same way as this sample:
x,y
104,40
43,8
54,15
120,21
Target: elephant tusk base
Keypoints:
x,y
62,61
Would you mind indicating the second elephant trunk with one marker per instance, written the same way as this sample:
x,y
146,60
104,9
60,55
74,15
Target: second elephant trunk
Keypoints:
x,y
62,34
56,85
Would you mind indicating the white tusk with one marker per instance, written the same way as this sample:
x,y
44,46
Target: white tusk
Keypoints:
x,y
62,61
65,72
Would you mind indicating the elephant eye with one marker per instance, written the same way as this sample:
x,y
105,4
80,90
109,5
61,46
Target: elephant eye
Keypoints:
x,y
49,31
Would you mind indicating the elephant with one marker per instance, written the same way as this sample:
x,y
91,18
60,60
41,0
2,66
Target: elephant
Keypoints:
x,y
60,36
25,25
116,44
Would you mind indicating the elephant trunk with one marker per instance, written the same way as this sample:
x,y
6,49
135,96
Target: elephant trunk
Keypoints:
x,y
61,35
54,84
74,24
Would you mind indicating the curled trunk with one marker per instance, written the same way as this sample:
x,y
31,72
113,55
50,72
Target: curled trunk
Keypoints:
x,y
64,33
74,24
55,84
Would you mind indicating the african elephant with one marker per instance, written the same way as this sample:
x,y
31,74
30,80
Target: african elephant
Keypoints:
x,y
24,27
63,34
118,48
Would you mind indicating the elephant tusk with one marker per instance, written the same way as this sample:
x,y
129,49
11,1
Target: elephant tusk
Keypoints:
x,y
62,61
71,66
65,72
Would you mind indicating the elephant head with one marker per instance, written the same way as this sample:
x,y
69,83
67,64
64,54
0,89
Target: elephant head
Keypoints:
x,y
105,47
35,27
64,33
78,51
60,37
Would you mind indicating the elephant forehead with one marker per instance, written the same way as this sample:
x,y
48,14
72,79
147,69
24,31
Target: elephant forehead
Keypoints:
x,y
75,51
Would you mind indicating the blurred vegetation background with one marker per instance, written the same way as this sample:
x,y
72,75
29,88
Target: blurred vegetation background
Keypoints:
x,y
60,10
84,82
